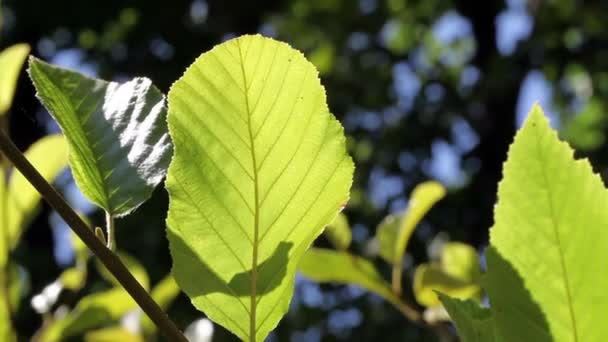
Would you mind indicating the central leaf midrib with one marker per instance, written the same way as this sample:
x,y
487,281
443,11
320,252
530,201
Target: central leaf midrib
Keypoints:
x,y
254,259
555,227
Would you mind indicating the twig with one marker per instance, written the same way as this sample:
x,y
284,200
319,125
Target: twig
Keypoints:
x,y
107,257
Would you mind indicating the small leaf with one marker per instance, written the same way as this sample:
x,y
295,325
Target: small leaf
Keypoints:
x,y
338,232
49,156
386,235
119,146
457,275
461,261
92,311
11,62
260,168
73,278
422,199
429,278
474,323
112,334
325,265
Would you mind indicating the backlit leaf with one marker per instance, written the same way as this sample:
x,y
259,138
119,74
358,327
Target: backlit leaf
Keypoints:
x,y
112,334
457,275
422,199
338,232
49,155
117,134
92,311
386,235
325,265
546,264
11,62
429,278
260,168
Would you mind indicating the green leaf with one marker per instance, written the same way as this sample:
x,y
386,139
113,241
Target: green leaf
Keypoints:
x,y
119,145
112,334
4,249
457,275
49,156
474,323
338,232
422,199
394,232
92,311
325,265
429,278
546,264
386,235
260,168
11,62
461,261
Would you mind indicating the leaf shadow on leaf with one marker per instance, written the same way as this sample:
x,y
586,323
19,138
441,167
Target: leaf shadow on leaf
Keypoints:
x,y
196,278
517,315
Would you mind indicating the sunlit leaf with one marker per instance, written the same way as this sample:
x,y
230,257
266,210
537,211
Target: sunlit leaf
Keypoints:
x,y
546,264
112,334
260,168
11,62
461,261
49,156
457,275
422,199
386,235
338,232
325,265
119,145
92,311
394,232
429,278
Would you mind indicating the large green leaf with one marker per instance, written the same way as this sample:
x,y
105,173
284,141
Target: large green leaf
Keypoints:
x,y
119,145
49,155
11,62
260,168
548,256
325,265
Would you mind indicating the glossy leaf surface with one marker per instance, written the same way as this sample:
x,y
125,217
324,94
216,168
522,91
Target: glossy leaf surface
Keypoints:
x,y
117,133
260,168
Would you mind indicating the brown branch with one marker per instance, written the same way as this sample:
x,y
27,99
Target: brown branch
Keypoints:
x,y
107,257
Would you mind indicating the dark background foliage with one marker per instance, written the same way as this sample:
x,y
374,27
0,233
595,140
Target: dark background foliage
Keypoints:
x,y
425,89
